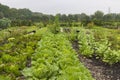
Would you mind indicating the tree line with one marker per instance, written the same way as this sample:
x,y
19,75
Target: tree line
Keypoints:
x,y
25,17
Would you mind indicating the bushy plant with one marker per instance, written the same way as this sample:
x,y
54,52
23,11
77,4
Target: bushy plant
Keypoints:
x,y
86,42
4,23
39,25
90,25
55,28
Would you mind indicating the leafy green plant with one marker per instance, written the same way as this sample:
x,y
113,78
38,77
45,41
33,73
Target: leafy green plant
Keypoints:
x,y
86,43
111,56
89,45
15,55
54,59
3,77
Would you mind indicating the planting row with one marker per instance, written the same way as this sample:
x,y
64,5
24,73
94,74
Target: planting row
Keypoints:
x,y
15,55
90,46
54,59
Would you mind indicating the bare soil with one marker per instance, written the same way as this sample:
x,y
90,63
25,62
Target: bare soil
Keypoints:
x,y
98,69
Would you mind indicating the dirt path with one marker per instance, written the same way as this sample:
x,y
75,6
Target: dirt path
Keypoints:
x,y
98,69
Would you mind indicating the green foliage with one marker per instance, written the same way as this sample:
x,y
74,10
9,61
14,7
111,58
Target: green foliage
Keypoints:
x,y
55,59
72,35
15,53
55,28
98,34
90,25
114,38
97,45
86,42
1,15
4,23
101,46
2,77
39,25
111,56
56,23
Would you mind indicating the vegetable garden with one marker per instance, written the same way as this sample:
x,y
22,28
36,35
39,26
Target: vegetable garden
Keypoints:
x,y
45,55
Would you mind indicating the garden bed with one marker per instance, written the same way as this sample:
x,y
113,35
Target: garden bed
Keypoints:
x,y
99,69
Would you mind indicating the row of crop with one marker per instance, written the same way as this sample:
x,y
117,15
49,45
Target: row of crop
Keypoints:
x,y
15,32
11,32
112,35
54,59
15,55
89,46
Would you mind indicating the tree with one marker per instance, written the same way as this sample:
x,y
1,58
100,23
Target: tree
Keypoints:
x,y
56,23
110,17
70,18
97,18
5,10
63,18
84,19
98,15
56,27
1,15
4,23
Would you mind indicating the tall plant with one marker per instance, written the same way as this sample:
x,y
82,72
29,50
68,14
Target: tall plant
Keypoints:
x,y
55,28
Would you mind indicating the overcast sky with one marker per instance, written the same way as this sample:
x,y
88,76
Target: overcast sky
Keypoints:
x,y
65,6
